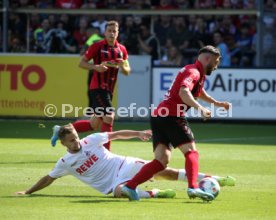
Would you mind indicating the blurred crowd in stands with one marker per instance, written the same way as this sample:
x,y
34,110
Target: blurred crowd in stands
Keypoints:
x,y
170,40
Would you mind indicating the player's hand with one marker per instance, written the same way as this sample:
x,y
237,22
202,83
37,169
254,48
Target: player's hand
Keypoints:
x,y
206,113
124,66
145,135
111,63
225,105
120,62
101,68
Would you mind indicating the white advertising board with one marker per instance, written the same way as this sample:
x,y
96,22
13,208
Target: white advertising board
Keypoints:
x,y
134,90
252,92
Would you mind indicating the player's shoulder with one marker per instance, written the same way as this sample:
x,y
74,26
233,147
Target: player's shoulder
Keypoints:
x,y
88,140
63,160
92,138
191,70
122,47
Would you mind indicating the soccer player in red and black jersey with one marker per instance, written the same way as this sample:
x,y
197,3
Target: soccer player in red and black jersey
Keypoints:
x,y
170,127
108,57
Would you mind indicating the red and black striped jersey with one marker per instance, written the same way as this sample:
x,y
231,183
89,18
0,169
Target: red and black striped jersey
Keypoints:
x,y
190,76
100,52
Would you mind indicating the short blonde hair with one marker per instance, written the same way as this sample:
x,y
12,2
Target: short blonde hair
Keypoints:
x,y
64,130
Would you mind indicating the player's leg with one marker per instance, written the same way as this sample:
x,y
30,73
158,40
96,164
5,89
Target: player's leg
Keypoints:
x,y
130,167
104,104
180,175
107,126
191,163
181,136
95,122
87,124
162,154
191,167
97,111
154,193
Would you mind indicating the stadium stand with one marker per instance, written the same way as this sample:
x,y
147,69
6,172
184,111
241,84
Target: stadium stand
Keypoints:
x,y
186,32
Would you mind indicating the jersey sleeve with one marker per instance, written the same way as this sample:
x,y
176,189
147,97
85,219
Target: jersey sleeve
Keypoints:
x,y
59,170
189,80
125,54
95,140
91,51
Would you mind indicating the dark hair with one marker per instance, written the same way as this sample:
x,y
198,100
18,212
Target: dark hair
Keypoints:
x,y
64,130
209,49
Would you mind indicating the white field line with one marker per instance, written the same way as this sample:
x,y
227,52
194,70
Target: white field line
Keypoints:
x,y
236,139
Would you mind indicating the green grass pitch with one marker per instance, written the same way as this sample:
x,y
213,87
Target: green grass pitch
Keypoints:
x,y
247,152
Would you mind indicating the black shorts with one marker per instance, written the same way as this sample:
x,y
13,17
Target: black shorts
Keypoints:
x,y
170,131
101,102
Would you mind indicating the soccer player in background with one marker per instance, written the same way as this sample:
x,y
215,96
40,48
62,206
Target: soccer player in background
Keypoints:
x,y
108,56
170,127
91,163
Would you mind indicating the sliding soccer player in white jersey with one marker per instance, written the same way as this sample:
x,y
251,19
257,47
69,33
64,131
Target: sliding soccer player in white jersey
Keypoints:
x,y
90,162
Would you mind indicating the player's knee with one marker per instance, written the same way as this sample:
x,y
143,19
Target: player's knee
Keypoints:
x,y
164,161
117,192
187,147
95,122
108,119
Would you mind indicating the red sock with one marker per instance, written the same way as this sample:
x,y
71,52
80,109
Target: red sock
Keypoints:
x,y
107,128
82,125
191,166
146,172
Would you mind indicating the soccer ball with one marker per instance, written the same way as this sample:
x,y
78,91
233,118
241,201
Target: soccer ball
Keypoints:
x,y
209,185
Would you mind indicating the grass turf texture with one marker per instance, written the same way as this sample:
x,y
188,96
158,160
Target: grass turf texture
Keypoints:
x,y
247,152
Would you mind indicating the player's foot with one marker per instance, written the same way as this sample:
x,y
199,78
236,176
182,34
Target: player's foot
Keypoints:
x,y
197,192
54,137
226,181
166,193
130,193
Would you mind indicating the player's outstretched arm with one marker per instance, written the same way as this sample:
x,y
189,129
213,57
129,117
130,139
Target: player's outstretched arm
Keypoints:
x,y
128,134
42,183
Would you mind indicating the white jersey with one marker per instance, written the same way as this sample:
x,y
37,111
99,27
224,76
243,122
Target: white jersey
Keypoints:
x,y
93,164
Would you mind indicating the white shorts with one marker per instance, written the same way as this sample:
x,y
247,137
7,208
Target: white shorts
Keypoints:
x,y
129,168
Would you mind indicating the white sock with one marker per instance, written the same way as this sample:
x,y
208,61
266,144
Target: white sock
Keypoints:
x,y
200,176
203,175
182,175
143,194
